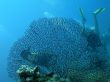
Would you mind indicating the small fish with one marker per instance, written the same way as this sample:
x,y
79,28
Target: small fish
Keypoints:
x,y
44,70
25,53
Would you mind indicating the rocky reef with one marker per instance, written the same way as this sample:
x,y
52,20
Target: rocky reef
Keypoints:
x,y
32,74
59,45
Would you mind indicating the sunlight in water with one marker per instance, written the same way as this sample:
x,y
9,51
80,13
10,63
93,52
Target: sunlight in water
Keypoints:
x,y
51,2
48,15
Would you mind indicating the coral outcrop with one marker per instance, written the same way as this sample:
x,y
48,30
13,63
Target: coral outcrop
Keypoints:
x,y
32,74
61,48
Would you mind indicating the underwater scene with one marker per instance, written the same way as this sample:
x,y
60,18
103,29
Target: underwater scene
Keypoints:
x,y
55,41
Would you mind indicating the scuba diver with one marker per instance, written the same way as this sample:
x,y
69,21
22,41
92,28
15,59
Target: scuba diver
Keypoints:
x,y
94,37
98,44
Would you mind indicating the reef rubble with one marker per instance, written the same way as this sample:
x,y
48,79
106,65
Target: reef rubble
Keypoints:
x,y
32,74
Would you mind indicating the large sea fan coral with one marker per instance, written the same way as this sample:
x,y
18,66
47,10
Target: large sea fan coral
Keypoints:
x,y
61,39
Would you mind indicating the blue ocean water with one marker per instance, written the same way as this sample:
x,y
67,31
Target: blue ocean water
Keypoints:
x,y
16,15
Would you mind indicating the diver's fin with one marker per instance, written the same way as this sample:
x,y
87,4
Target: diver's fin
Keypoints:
x,y
82,14
99,10
83,19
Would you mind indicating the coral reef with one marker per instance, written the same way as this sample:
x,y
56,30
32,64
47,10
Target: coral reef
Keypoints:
x,y
61,48
32,74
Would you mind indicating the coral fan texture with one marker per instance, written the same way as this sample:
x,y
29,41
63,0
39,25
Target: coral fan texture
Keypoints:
x,y
61,39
